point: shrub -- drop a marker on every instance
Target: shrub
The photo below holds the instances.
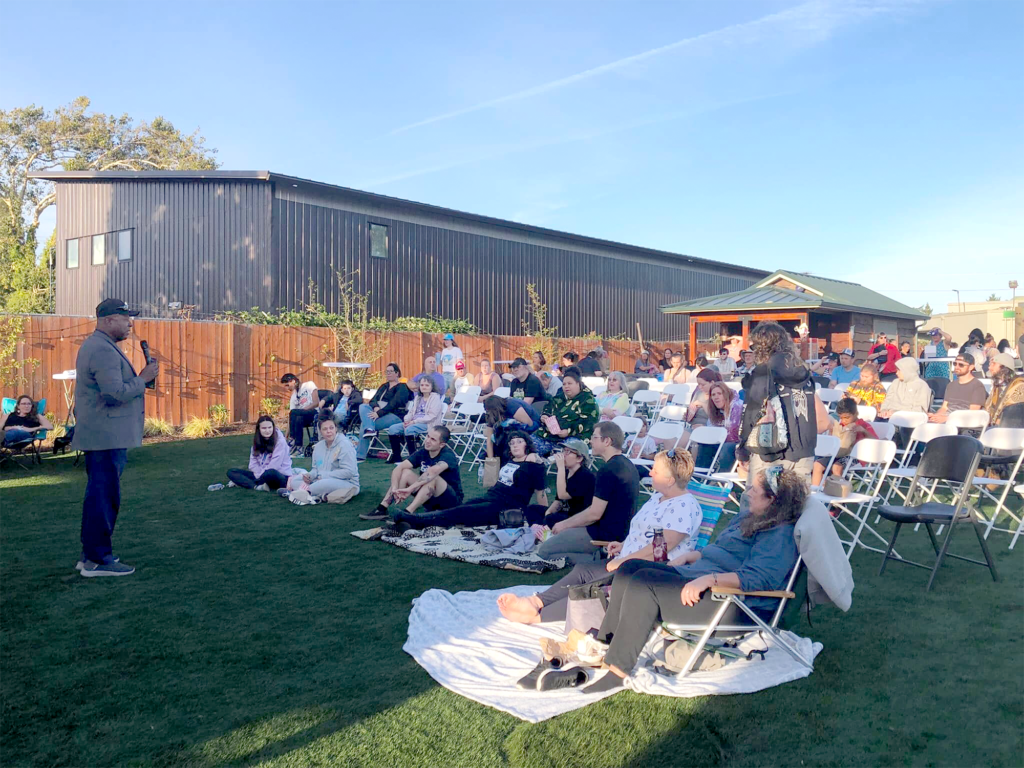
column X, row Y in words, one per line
column 58, row 429
column 271, row 406
column 219, row 415
column 199, row 427
column 154, row 427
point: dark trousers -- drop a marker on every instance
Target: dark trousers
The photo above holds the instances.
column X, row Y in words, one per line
column 535, row 515
column 556, row 597
column 298, row 420
column 476, row 512
column 244, row 478
column 644, row 593
column 102, row 501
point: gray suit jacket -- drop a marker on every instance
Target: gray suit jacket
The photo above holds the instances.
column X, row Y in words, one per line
column 108, row 397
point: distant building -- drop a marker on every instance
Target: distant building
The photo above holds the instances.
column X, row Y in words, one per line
column 231, row 240
column 1003, row 319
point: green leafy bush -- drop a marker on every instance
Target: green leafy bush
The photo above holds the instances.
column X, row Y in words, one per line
column 320, row 318
column 219, row 415
column 199, row 427
column 271, row 406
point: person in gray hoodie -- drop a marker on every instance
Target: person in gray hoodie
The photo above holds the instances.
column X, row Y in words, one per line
column 908, row 393
column 334, row 476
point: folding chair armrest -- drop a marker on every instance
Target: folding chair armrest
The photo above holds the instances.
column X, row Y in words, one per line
column 720, row 590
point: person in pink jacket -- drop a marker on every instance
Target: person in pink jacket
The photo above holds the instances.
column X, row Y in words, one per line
column 269, row 461
column 425, row 411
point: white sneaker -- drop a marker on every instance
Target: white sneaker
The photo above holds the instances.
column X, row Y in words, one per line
column 231, row 484
column 262, row 487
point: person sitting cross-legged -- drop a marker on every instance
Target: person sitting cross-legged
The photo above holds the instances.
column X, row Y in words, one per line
column 756, row 552
column 519, row 479
column 672, row 508
column 270, row 466
column 334, row 476
column 437, row 486
column 607, row 518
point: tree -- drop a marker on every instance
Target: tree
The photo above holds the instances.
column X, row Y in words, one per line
column 11, row 374
column 70, row 138
column 536, row 325
column 926, row 308
column 993, row 297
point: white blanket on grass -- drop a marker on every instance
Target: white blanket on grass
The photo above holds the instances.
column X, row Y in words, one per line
column 465, row 644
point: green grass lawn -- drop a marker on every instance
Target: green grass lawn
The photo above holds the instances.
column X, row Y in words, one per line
column 259, row 632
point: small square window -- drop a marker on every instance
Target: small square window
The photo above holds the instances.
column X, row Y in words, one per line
column 99, row 254
column 379, row 241
column 124, row 245
column 72, row 248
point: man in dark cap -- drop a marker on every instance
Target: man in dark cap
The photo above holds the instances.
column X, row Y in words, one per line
column 109, row 412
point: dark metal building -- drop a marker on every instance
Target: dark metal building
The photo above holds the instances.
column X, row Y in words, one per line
column 226, row 240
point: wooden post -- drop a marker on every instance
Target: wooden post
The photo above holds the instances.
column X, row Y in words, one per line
column 692, row 351
column 746, row 331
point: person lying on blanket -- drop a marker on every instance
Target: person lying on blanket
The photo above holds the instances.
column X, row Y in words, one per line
column 436, row 486
column 672, row 508
column 523, row 476
column 756, row 552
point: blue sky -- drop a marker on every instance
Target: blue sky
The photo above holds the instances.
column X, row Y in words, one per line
column 878, row 141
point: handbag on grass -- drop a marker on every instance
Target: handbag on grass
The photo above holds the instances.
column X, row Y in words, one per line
column 491, row 469
column 770, row 433
column 588, row 604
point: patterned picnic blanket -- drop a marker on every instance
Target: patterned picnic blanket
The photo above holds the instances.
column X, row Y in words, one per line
column 464, row 544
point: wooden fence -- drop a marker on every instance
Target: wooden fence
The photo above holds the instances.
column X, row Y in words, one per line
column 211, row 363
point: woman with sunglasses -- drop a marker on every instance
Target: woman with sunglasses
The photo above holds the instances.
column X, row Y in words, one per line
column 884, row 354
column 756, row 552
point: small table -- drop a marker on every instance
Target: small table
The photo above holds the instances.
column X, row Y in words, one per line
column 67, row 378
column 334, row 367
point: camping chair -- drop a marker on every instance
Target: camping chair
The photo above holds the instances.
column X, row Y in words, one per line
column 706, row 441
column 953, row 459
column 29, row 447
column 876, row 455
column 1007, row 440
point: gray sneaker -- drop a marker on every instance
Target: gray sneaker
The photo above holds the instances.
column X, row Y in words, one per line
column 106, row 569
column 83, row 562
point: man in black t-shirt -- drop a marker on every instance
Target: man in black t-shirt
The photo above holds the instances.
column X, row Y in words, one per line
column 607, row 518
column 438, row 484
column 526, row 386
column 590, row 365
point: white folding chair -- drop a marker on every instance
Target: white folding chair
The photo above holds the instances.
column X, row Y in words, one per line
column 1010, row 440
column 829, row 397
column 826, row 447
column 906, row 420
column 599, row 390
column 987, row 383
column 503, row 392
column 451, row 416
column 630, row 426
column 654, row 385
column 507, row 377
column 644, row 400
column 841, row 387
column 876, row 455
column 469, row 389
column 681, row 391
column 665, row 436
column 969, row 420
column 593, row 381
column 673, row 413
column 467, row 431
column 735, row 386
column 1019, row 490
column 867, row 412
column 886, row 385
column 884, row 430
column 706, row 436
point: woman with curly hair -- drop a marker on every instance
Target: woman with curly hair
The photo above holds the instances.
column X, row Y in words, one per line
column 869, row 390
column 756, row 552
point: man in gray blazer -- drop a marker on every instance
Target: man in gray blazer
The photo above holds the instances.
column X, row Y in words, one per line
column 109, row 412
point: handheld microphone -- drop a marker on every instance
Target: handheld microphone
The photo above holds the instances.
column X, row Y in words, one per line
column 145, row 353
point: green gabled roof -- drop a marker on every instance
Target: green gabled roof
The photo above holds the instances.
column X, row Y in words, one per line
column 812, row 292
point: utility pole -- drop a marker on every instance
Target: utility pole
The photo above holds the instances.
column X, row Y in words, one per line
column 959, row 305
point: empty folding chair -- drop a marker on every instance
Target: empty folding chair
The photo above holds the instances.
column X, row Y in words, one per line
column 679, row 394
column 705, row 445
column 841, row 387
column 469, row 389
column 1011, row 443
column 867, row 412
column 829, row 397
column 630, row 426
column 735, row 386
column 952, row 459
column 599, row 390
column 675, row 413
column 644, row 402
column 884, row 430
column 876, row 456
column 920, row 437
column 467, row 430
column 594, row 381
column 973, row 420
column 661, row 437
column 503, row 392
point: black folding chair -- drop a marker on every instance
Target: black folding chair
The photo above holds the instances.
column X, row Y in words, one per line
column 953, row 459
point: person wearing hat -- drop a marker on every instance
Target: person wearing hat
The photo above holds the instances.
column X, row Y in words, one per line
column 964, row 393
column 574, row 485
column 461, row 380
column 942, row 342
column 1007, row 388
column 449, row 355
column 847, row 372
column 109, row 411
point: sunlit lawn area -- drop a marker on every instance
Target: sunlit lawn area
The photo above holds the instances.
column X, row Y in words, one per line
column 259, row 632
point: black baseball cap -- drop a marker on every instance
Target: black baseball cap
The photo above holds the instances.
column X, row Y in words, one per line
column 518, row 362
column 109, row 307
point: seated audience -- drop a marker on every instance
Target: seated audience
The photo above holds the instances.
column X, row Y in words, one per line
column 665, row 363
column 568, row 360
column 386, row 408
column 607, row 518
column 571, row 413
column 538, row 361
column 1005, row 346
column 725, row 409
column 436, row 485
column 425, row 411
column 672, row 508
column 756, row 552
column 506, row 413
column 1007, row 388
column 518, row 480
column 906, row 349
column 645, row 366
column 614, row 401
column 824, row 367
column 488, row 381
column 975, row 346
column 884, row 355
column 867, row 390
column 346, row 405
column 908, row 393
column 551, row 383
column 697, row 411
column 591, row 364
column 526, row 386
column 677, row 373
column 574, row 485
column 334, row 476
column 430, row 371
column 461, row 380
column 942, row 341
column 846, row 372
column 24, row 422
column 746, row 363
column 964, row 393
column 269, row 463
column 725, row 365
column 850, row 429
column 302, row 408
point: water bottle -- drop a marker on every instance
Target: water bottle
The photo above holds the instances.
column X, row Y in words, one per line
column 215, row 487
column 658, row 545
column 480, row 474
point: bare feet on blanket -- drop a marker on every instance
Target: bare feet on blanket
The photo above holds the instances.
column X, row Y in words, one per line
column 524, row 610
